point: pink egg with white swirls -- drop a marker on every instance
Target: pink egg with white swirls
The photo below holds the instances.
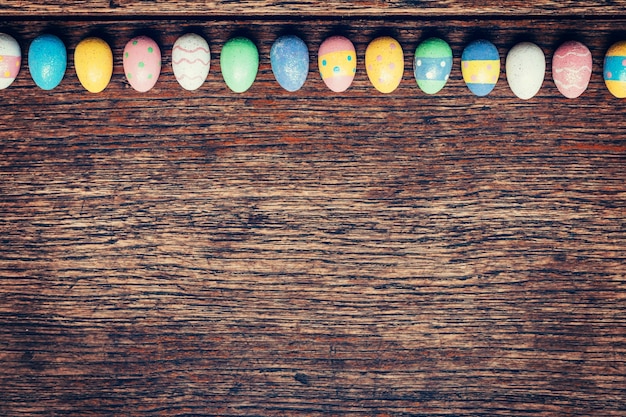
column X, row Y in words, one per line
column 191, row 60
column 571, row 68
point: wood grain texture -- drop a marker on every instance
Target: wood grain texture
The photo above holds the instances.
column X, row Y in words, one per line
column 310, row 8
column 283, row 254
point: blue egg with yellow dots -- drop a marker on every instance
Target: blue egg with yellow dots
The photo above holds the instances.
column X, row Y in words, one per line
column 480, row 66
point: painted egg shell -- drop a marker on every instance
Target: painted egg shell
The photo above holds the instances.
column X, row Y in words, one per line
column 93, row 61
column 480, row 66
column 432, row 65
column 289, row 57
column 615, row 69
column 240, row 63
column 384, row 63
column 525, row 69
column 571, row 68
column 47, row 61
column 142, row 63
column 191, row 60
column 10, row 60
column 336, row 60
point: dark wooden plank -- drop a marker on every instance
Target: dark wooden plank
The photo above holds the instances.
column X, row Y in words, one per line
column 270, row 253
column 330, row 8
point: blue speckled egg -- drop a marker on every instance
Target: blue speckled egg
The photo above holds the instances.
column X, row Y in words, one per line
column 47, row 61
column 289, row 57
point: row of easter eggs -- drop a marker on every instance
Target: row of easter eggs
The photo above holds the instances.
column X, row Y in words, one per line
column 337, row 61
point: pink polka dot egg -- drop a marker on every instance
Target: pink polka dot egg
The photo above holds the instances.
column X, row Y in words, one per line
column 384, row 63
column 142, row 63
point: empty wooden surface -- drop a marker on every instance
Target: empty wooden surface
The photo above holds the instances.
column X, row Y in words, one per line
column 309, row 8
column 284, row 254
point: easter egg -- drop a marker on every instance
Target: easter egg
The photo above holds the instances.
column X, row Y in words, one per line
column 571, row 68
column 480, row 66
column 615, row 69
column 525, row 69
column 142, row 63
column 191, row 60
column 10, row 60
column 47, row 61
column 336, row 60
column 240, row 63
column 384, row 63
column 432, row 65
column 289, row 57
column 93, row 61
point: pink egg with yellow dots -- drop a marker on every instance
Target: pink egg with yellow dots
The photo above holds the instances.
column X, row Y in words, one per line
column 142, row 63
column 10, row 60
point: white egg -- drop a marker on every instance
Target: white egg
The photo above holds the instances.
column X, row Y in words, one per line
column 525, row 69
column 191, row 60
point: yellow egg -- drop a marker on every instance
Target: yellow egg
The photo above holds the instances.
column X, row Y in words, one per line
column 93, row 61
column 384, row 63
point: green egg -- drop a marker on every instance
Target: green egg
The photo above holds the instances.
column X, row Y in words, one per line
column 240, row 63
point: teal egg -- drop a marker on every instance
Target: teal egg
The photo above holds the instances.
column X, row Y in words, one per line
column 239, row 62
column 47, row 61
column 432, row 65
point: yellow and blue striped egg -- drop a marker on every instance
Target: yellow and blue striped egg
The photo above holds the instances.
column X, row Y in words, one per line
column 615, row 69
column 480, row 66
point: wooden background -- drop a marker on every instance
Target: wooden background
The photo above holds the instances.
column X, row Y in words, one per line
column 287, row 254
